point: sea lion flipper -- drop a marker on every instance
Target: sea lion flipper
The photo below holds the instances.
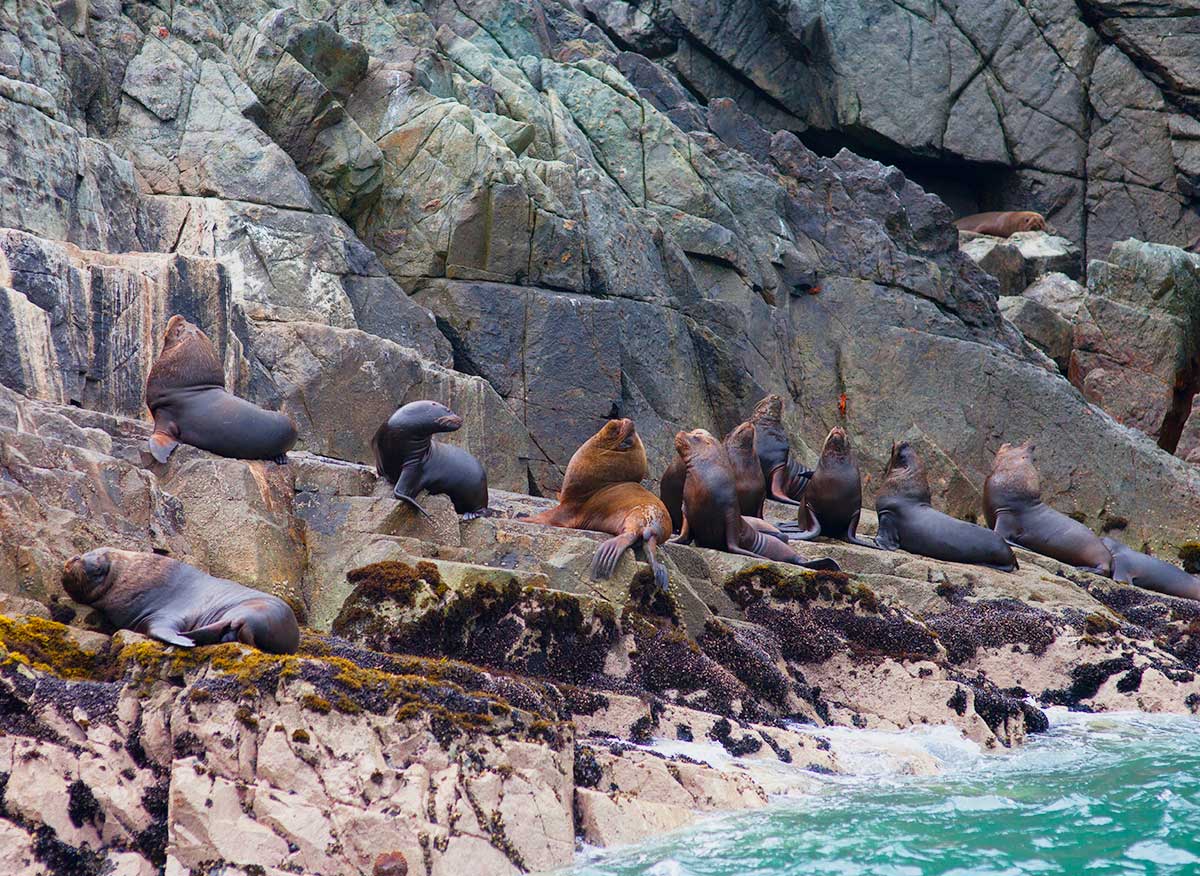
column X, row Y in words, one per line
column 605, row 560
column 213, row 634
column 661, row 580
column 807, row 525
column 165, row 632
column 160, row 445
column 402, row 497
column 852, row 535
column 823, row 564
column 888, row 536
column 777, row 490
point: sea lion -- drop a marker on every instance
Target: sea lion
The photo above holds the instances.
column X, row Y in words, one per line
column 408, row 456
column 907, row 520
column 602, row 492
column 185, row 392
column 751, row 487
column 711, row 515
column 1150, row 573
column 833, row 501
column 1002, row 224
column 785, row 478
column 1012, row 503
column 177, row 603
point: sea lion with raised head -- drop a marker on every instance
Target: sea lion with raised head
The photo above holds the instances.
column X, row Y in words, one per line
column 1012, row 504
column 751, row 488
column 177, row 603
column 186, row 394
column 833, row 501
column 785, row 478
column 407, row 454
column 711, row 515
column 909, row 522
column 1150, row 573
column 1003, row 223
column 602, row 492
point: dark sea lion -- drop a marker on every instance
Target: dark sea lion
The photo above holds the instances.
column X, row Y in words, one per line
column 1150, row 573
column 711, row 515
column 185, row 392
column 1012, row 503
column 747, row 473
column 408, row 456
column 785, row 478
column 602, row 492
column 1002, row 224
column 908, row 521
column 833, row 501
column 177, row 603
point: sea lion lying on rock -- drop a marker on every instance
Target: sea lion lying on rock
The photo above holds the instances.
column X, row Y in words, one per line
column 908, row 521
column 833, row 500
column 407, row 454
column 185, row 392
column 602, row 492
column 785, row 478
column 1012, row 503
column 711, row 515
column 1002, row 224
column 177, row 603
column 1141, row 570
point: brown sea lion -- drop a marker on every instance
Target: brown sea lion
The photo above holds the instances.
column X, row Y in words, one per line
column 185, row 392
column 1002, row 224
column 1150, row 573
column 407, row 454
column 602, row 492
column 833, row 501
column 177, row 603
column 785, row 477
column 710, row 506
column 747, row 472
column 908, row 521
column 1012, row 503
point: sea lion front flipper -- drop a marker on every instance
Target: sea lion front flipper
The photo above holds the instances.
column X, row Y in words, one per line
column 404, row 497
column 888, row 536
column 852, row 533
column 807, row 526
column 160, row 445
column 685, row 534
column 605, row 560
column 165, row 632
column 1007, row 527
column 824, row 564
column 213, row 634
column 777, row 489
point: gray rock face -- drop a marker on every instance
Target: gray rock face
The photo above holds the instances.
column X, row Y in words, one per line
column 1088, row 110
column 1041, row 325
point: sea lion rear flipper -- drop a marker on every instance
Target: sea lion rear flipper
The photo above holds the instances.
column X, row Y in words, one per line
column 661, row 579
column 164, row 632
column 888, row 536
column 482, row 512
column 605, row 560
column 824, row 564
column 160, row 445
column 777, row 489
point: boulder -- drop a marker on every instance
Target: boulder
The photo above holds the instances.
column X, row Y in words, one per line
column 1041, row 325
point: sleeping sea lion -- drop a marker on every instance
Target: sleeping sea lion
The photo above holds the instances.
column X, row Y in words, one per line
column 408, row 456
column 747, row 472
column 1012, row 503
column 1150, row 573
column 177, row 603
column 908, row 521
column 602, row 492
column 185, row 392
column 833, row 501
column 785, row 478
column 1002, row 224
column 711, row 515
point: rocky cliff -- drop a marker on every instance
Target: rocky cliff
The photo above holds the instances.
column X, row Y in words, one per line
column 543, row 213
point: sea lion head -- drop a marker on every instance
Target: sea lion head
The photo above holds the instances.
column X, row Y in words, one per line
column 87, row 577
column 741, row 438
column 837, row 444
column 905, row 474
column 179, row 330
column 425, row 418
column 1014, row 473
column 768, row 409
column 617, row 436
column 614, row 455
column 1031, row 221
column 696, row 444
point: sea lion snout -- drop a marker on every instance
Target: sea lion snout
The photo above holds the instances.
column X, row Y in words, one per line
column 451, row 422
column 84, row 576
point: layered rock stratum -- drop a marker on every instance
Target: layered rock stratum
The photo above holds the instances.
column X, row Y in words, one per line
column 543, row 214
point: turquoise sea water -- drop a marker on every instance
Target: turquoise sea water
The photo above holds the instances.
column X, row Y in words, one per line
column 1097, row 795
